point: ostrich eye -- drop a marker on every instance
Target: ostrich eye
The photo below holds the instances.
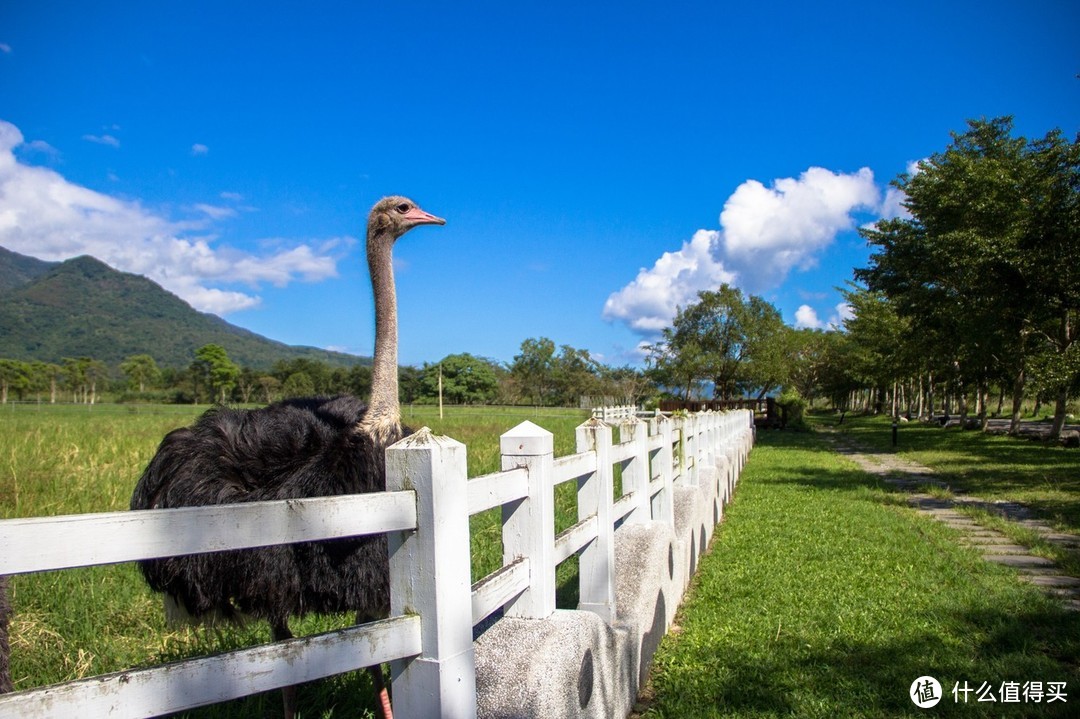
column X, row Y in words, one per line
column 402, row 208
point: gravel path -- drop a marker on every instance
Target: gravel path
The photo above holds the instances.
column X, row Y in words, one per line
column 910, row 477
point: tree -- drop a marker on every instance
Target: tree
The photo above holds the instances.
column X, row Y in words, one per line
column 808, row 361
column 14, row 375
column 875, row 356
column 465, row 379
column 732, row 341
column 535, row 368
column 575, row 374
column 298, row 384
column 213, row 365
column 985, row 268
column 141, row 370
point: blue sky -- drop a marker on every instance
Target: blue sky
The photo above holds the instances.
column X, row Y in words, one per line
column 597, row 163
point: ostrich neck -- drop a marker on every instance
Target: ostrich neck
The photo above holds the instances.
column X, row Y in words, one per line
column 383, row 417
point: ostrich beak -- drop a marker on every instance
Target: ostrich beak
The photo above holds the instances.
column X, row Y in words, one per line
column 416, row 216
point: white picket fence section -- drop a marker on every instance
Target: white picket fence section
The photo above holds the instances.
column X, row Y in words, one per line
column 434, row 606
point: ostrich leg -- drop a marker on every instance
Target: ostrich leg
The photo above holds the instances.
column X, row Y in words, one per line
column 381, row 691
column 280, row 633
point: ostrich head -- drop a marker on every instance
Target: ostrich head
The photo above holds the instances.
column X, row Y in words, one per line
column 390, row 218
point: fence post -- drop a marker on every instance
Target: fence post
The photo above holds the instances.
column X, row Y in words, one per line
column 596, row 566
column 529, row 523
column 663, row 508
column 635, row 475
column 430, row 576
column 688, row 448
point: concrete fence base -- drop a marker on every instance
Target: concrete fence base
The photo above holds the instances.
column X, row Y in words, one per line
column 574, row 664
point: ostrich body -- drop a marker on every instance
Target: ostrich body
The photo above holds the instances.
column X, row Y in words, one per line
column 296, row 448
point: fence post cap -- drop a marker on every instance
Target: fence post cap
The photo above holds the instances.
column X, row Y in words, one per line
column 424, row 437
column 527, row 438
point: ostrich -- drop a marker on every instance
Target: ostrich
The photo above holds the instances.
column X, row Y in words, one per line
column 291, row 449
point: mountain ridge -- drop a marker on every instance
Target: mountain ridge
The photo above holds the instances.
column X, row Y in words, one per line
column 81, row 307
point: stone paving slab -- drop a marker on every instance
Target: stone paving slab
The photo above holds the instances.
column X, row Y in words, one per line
column 1052, row 580
column 907, row 476
column 1001, row 549
column 1020, row 561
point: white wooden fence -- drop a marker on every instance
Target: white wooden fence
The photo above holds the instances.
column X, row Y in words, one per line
column 429, row 636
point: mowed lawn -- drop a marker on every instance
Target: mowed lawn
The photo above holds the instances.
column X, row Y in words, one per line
column 824, row 595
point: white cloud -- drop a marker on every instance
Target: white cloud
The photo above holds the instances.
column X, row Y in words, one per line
column 770, row 231
column 765, row 232
column 806, row 317
column 215, row 212
column 892, row 206
column 44, row 215
column 649, row 302
column 102, row 140
column 5, row 48
column 199, row 149
column 844, row 312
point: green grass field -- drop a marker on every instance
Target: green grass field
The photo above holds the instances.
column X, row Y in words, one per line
column 824, row 595
column 78, row 623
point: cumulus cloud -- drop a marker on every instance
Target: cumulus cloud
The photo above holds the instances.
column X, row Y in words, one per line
column 44, row 215
column 199, row 149
column 769, row 231
column 806, row 317
column 765, row 233
column 649, row 302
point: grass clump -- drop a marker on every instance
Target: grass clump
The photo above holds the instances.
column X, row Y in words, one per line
column 820, row 600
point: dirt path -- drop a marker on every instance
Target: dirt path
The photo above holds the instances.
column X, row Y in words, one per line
column 910, row 477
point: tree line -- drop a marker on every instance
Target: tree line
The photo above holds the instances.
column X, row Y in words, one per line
column 541, row 374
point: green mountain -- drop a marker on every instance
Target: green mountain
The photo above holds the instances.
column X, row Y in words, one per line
column 16, row 269
column 84, row 308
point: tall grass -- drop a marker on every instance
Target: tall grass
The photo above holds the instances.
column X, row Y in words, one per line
column 77, row 623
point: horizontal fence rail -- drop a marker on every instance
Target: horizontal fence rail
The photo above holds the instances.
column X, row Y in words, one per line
column 434, row 606
column 83, row 540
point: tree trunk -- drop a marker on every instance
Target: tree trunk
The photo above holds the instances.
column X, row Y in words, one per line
column 984, row 397
column 1017, row 402
column 1065, row 341
column 1059, row 413
column 920, row 401
column 930, row 395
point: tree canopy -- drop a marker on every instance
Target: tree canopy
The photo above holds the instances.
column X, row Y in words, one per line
column 738, row 344
column 986, row 269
